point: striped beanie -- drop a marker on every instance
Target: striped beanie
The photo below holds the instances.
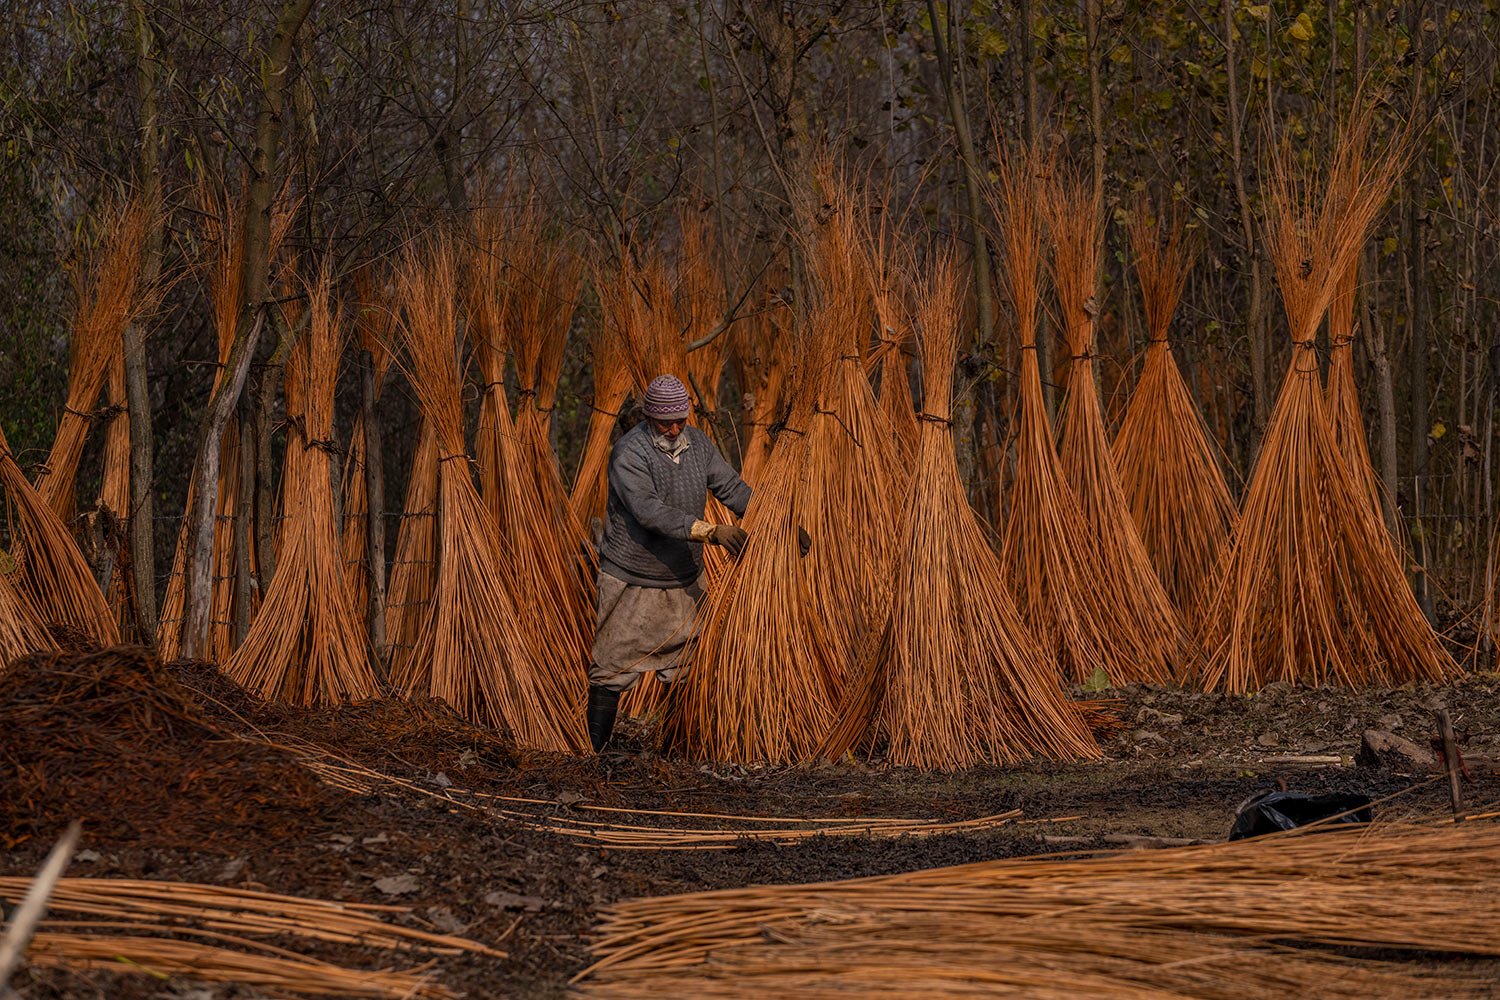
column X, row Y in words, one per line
column 667, row 399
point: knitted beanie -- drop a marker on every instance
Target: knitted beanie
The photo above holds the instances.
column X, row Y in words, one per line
column 667, row 399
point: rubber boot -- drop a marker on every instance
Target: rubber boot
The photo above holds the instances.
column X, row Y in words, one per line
column 603, row 704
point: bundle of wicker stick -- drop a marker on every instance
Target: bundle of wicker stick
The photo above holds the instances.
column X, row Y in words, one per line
column 1148, row 625
column 51, row 572
column 889, row 269
column 1311, row 588
column 109, row 297
column 215, row 934
column 1169, row 466
column 956, row 678
column 1049, row 558
column 851, row 491
column 508, row 270
column 1254, row 918
column 471, row 650
column 545, row 276
column 307, row 646
column 767, row 668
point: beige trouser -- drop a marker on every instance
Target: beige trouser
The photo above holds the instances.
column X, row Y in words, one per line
column 641, row 629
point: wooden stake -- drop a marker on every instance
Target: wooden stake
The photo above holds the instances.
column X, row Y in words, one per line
column 1450, row 763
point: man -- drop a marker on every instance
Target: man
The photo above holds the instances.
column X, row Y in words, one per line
column 660, row 474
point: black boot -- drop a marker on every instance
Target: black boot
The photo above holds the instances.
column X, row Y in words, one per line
column 603, row 704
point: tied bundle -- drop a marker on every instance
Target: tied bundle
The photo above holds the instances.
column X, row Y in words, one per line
column 851, row 487
column 471, row 651
column 764, row 670
column 536, row 531
column 1169, row 466
column 307, row 645
column 955, row 678
column 888, row 271
column 52, row 577
column 1048, row 557
column 545, row 276
column 1310, row 588
column 1147, row 626
column 110, row 296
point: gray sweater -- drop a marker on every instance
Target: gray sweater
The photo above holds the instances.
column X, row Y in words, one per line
column 653, row 503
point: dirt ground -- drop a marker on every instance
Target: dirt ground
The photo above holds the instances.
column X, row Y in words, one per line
column 194, row 803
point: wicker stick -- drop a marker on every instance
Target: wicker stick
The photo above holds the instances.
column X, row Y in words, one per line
column 1148, row 624
column 956, row 678
column 307, row 645
column 1226, row 920
column 51, row 572
column 106, row 285
column 471, row 644
column 1169, row 465
column 1310, row 588
column 1047, row 551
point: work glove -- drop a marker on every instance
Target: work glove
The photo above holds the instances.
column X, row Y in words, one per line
column 804, row 541
column 731, row 537
column 727, row 535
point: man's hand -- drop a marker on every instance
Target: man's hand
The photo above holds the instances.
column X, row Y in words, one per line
column 731, row 537
column 804, row 541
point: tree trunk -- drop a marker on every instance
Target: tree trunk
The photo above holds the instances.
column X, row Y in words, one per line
column 243, row 511
column 1420, row 415
column 1029, row 89
column 265, row 494
column 253, row 279
column 969, row 419
column 1385, row 404
column 142, row 513
column 374, row 505
column 1096, row 95
column 1253, row 323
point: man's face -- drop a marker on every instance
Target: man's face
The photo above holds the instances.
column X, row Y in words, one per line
column 668, row 429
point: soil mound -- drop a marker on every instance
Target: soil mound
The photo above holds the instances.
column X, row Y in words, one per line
column 113, row 739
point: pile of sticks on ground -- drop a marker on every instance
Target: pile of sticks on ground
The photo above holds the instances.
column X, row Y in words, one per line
column 218, row 934
column 727, row 831
column 1273, row 916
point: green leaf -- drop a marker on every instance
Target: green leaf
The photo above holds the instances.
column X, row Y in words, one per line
column 1302, row 28
column 1098, row 681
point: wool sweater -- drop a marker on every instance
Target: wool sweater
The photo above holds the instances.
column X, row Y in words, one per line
column 653, row 502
